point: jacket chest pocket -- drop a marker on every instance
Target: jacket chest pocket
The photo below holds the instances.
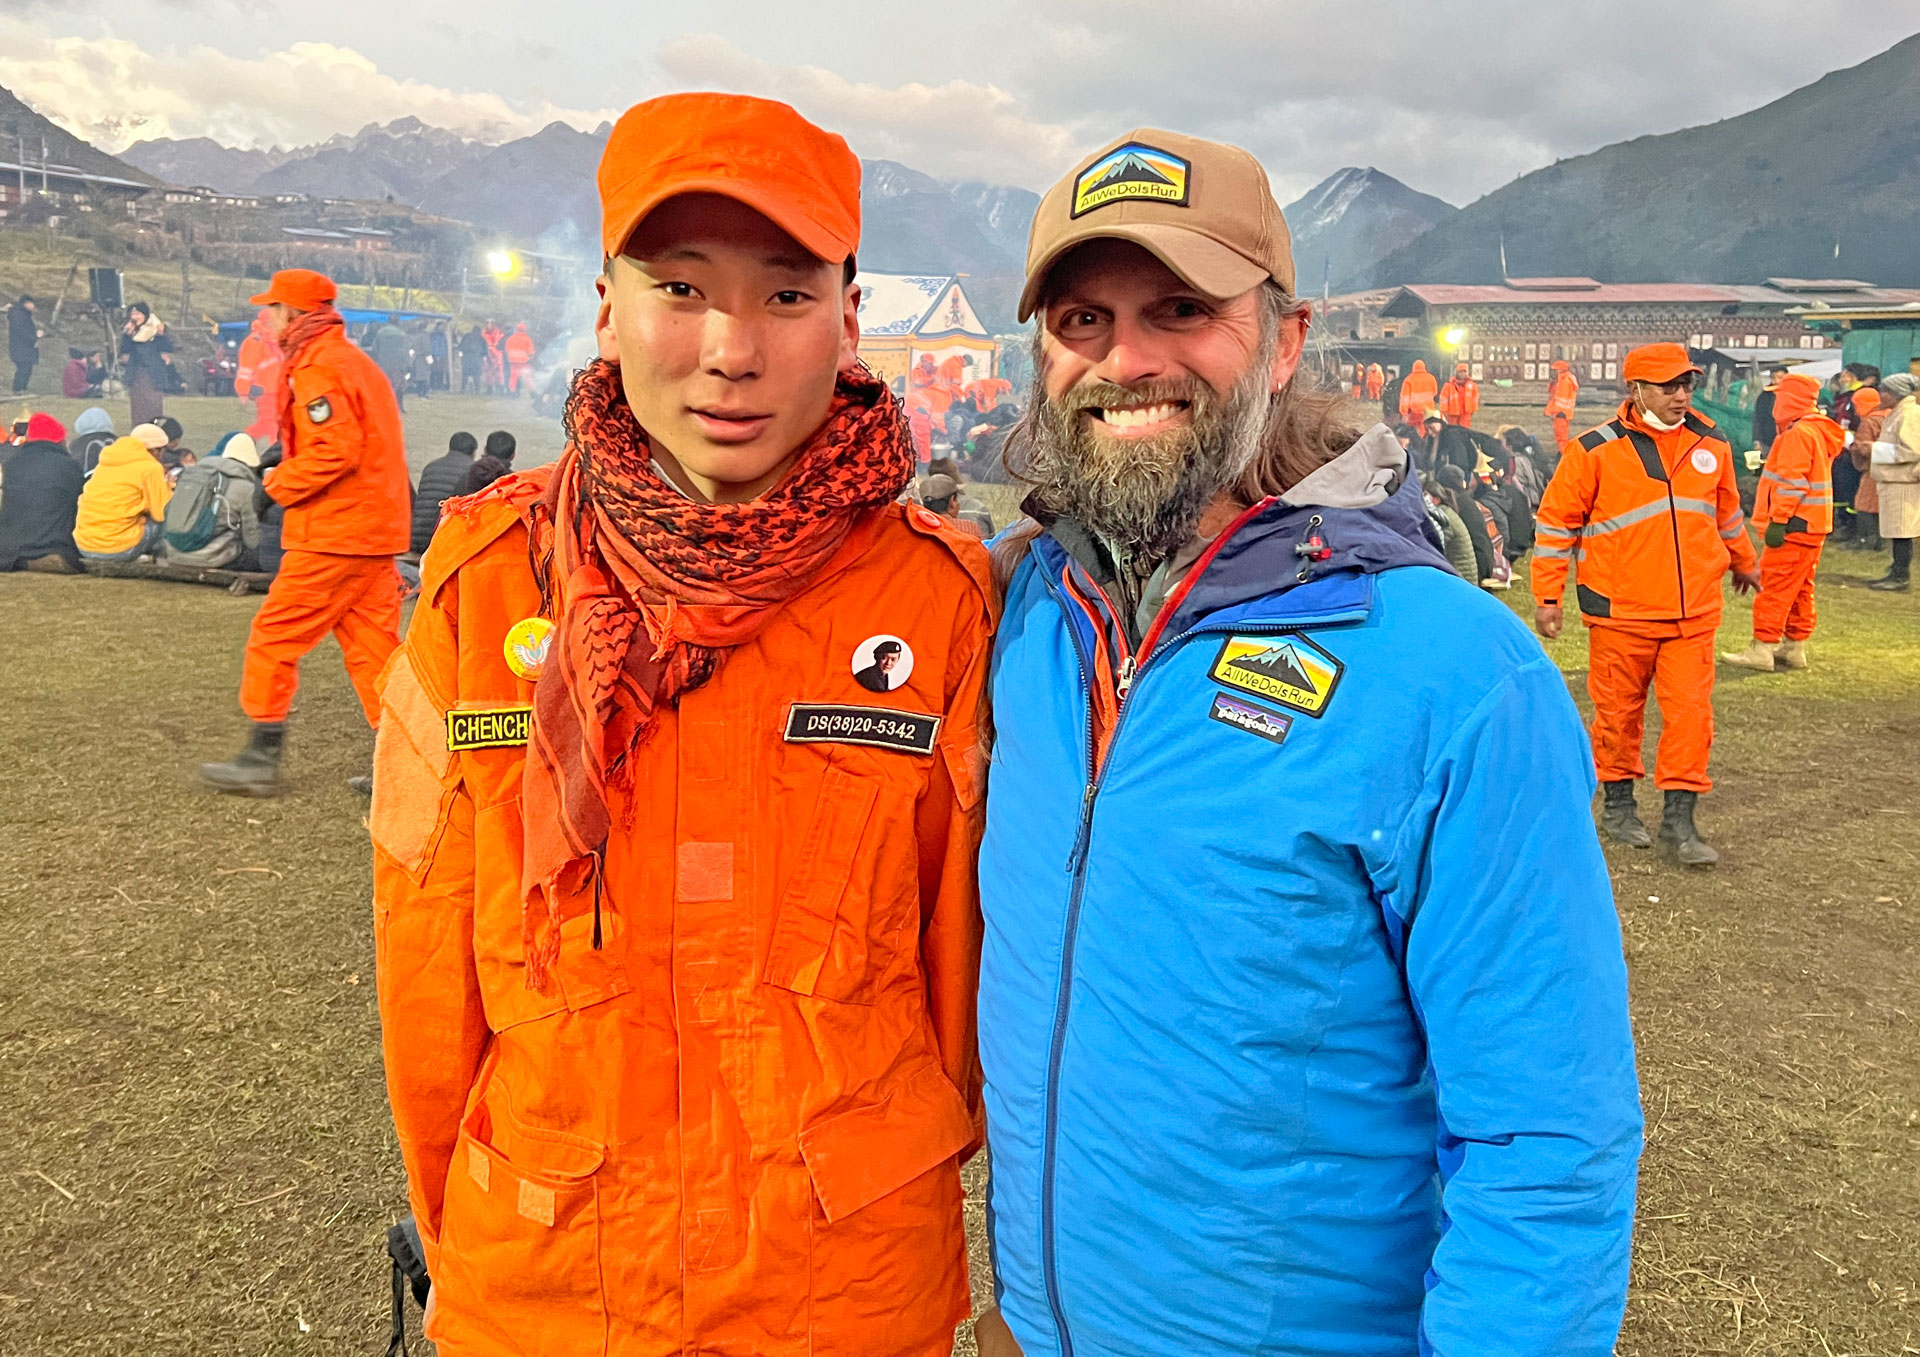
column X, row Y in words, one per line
column 839, row 916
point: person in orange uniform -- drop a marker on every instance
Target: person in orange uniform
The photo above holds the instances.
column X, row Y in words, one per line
column 519, row 349
column 1376, row 381
column 1417, row 393
column 342, row 480
column 675, row 917
column 257, row 378
column 987, row 392
column 1794, row 505
column 1647, row 506
column 1460, row 398
column 1563, row 392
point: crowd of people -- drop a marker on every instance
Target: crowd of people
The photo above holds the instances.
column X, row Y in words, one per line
column 68, row 497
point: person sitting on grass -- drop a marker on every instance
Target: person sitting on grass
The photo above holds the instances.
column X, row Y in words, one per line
column 92, row 431
column 484, row 472
column 39, row 494
column 501, row 446
column 123, row 505
column 174, row 455
column 441, row 480
column 965, row 507
column 213, row 519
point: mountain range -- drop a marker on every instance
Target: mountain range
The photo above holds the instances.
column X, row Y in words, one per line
column 1352, row 219
column 1822, row 183
column 540, row 189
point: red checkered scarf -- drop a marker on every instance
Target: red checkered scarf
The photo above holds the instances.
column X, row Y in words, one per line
column 620, row 552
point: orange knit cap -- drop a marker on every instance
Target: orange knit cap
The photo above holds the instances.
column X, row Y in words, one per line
column 804, row 180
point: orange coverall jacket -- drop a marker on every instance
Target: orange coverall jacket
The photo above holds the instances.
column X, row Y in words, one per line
column 1459, row 400
column 736, row 1127
column 343, row 478
column 1796, row 485
column 1417, row 392
column 1652, row 518
column 1562, row 393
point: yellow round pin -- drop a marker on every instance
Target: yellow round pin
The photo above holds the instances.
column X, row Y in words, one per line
column 527, row 644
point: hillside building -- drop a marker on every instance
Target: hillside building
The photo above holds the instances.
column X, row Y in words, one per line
column 905, row 317
column 1510, row 334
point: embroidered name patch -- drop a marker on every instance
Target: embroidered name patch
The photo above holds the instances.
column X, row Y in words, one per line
column 1135, row 170
column 817, row 723
column 489, row 728
column 1250, row 717
column 1290, row 670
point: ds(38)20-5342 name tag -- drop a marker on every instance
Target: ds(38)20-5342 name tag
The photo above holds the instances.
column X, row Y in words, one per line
column 881, row 727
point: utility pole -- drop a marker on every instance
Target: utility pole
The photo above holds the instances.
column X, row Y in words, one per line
column 186, row 275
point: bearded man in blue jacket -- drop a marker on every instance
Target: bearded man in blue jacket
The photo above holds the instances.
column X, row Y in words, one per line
column 1302, row 1005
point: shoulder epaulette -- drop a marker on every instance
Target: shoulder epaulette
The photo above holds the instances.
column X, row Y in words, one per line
column 1700, row 424
column 966, row 548
column 1593, row 439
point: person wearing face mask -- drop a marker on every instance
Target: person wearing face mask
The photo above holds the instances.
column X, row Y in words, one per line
column 1648, row 506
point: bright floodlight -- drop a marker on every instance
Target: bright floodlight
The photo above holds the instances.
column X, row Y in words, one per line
column 1454, row 336
column 502, row 263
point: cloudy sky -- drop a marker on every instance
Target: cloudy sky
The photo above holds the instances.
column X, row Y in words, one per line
column 1453, row 96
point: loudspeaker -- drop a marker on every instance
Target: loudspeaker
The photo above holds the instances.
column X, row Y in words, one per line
column 107, row 291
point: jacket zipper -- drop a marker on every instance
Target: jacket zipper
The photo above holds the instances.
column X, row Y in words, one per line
column 1076, row 863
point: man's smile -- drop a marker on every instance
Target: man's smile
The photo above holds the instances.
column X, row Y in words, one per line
column 1140, row 421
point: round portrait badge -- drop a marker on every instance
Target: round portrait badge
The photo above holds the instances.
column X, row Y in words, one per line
column 1706, row 461
column 882, row 663
column 526, row 647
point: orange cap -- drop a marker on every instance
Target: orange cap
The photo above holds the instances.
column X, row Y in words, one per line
column 302, row 289
column 1657, row 363
column 804, row 180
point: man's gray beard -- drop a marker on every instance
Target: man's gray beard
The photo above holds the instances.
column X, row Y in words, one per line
column 1143, row 497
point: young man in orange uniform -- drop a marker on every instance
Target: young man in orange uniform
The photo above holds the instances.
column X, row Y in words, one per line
column 676, row 921
column 256, row 379
column 342, row 478
column 1563, row 392
column 1460, row 397
column 1795, row 507
column 1647, row 505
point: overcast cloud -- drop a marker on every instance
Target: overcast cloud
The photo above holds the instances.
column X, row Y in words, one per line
column 1455, row 97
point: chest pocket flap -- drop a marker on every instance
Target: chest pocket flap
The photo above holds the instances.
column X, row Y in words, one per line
column 813, row 950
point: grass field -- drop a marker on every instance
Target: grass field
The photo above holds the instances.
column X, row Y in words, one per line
column 193, row 1132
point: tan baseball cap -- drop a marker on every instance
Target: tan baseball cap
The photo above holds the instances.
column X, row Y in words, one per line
column 1202, row 208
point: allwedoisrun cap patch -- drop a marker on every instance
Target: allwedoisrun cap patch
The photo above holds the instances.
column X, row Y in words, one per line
column 1134, row 170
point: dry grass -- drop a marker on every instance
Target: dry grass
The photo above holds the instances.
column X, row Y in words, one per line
column 197, row 1154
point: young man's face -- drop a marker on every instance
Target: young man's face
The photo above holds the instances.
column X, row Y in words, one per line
column 729, row 336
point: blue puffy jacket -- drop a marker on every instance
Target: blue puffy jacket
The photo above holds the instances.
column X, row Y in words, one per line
column 1304, row 1017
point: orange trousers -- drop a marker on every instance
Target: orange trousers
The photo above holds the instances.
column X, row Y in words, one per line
column 1562, row 430
column 357, row 598
column 1784, row 608
column 1677, row 660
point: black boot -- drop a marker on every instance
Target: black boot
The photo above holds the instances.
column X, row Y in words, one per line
column 255, row 770
column 1679, row 835
column 1621, row 818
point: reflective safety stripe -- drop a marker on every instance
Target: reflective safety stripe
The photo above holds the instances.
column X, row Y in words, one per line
column 1552, row 553
column 1548, row 530
column 1799, row 482
column 1697, row 506
column 1626, row 520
